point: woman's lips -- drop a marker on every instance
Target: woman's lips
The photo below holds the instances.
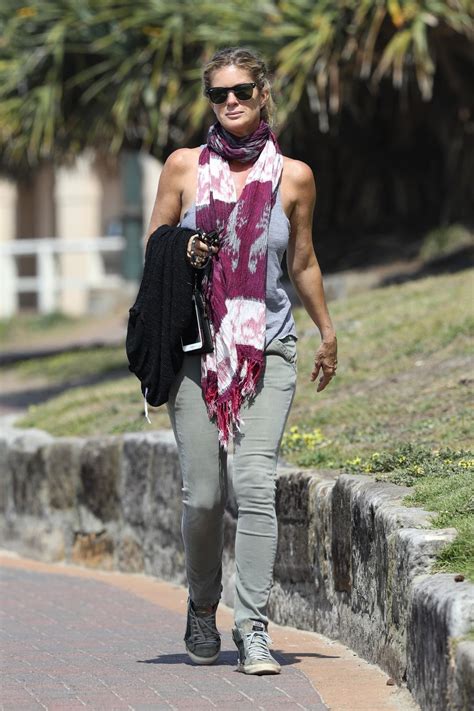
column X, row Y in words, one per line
column 234, row 115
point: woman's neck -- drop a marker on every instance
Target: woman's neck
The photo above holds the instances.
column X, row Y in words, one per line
column 242, row 137
column 237, row 166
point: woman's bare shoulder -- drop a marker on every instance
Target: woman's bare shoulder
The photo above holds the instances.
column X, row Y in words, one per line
column 297, row 172
column 297, row 185
column 182, row 160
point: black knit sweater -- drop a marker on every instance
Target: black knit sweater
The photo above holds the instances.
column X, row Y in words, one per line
column 162, row 311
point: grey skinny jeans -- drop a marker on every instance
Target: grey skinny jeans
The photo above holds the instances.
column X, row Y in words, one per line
column 204, row 471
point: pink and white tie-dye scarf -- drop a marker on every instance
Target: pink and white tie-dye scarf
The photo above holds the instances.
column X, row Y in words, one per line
column 236, row 290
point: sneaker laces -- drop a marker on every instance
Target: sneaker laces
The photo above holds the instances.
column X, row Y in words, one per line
column 258, row 645
column 203, row 628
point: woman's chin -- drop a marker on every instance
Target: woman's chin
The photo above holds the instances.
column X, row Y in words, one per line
column 239, row 125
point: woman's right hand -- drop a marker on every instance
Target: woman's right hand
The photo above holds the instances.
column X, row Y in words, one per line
column 198, row 251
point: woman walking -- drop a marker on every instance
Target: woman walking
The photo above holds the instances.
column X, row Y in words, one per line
column 261, row 203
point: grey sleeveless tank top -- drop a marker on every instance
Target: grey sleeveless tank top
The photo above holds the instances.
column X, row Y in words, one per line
column 280, row 322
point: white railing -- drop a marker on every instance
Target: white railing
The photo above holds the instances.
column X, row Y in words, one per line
column 50, row 279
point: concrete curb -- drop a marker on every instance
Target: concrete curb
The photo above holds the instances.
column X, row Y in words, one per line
column 352, row 562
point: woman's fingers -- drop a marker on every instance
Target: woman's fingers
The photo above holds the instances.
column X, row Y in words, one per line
column 209, row 249
column 204, row 249
column 315, row 373
column 328, row 372
column 325, row 380
column 199, row 252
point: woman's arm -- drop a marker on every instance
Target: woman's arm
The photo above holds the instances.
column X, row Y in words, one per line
column 178, row 175
column 168, row 201
column 304, row 271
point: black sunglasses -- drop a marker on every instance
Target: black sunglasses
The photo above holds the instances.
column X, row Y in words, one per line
column 243, row 92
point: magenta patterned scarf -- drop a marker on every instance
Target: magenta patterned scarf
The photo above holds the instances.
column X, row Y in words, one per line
column 236, row 292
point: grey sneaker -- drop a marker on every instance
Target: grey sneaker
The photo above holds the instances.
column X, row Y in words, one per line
column 203, row 641
column 252, row 642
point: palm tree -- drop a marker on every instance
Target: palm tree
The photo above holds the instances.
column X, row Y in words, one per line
column 115, row 72
column 328, row 46
column 361, row 84
column 99, row 73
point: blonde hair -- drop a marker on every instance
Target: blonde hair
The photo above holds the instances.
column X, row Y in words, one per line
column 251, row 62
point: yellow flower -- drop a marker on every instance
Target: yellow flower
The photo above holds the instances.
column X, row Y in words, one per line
column 152, row 31
column 26, row 12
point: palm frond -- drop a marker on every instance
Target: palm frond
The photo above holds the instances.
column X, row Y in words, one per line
column 114, row 72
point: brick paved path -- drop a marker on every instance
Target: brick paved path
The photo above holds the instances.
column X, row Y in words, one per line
column 71, row 643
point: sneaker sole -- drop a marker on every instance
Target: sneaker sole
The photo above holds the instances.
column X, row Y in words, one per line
column 202, row 660
column 259, row 668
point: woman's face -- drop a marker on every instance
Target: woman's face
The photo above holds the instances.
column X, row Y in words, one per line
column 240, row 117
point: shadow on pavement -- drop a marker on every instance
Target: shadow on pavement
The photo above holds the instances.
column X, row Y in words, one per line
column 225, row 659
column 229, row 658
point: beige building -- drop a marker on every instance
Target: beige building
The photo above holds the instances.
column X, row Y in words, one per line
column 64, row 233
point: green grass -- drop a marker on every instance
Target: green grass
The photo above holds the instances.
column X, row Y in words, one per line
column 114, row 407
column 404, row 381
column 443, row 482
column 21, row 327
column 444, row 241
column 452, row 499
column 405, row 370
column 76, row 365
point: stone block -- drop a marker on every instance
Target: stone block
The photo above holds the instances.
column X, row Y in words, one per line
column 45, row 539
column 164, row 497
column 230, row 530
column 95, row 550
column 129, row 553
column 304, row 515
column 162, row 542
column 294, row 562
column 292, row 605
column 165, row 562
column 341, row 543
column 441, row 613
column 6, row 479
column 137, row 462
column 228, row 578
column 326, row 599
column 28, row 475
column 100, row 470
column 461, row 694
column 86, row 522
column 62, row 464
column 370, row 527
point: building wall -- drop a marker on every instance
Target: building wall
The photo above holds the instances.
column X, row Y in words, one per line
column 75, row 202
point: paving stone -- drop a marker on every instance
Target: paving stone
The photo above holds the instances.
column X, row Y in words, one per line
column 84, row 644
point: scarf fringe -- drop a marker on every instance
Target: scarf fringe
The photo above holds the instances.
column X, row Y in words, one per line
column 226, row 410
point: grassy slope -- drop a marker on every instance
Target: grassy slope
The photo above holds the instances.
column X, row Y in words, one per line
column 404, row 374
column 405, row 355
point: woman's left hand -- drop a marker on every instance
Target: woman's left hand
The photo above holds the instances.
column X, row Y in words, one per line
column 325, row 360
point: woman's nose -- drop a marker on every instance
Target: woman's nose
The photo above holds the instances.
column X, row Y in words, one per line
column 231, row 98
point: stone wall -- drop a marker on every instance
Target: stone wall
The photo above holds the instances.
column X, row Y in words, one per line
column 352, row 562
